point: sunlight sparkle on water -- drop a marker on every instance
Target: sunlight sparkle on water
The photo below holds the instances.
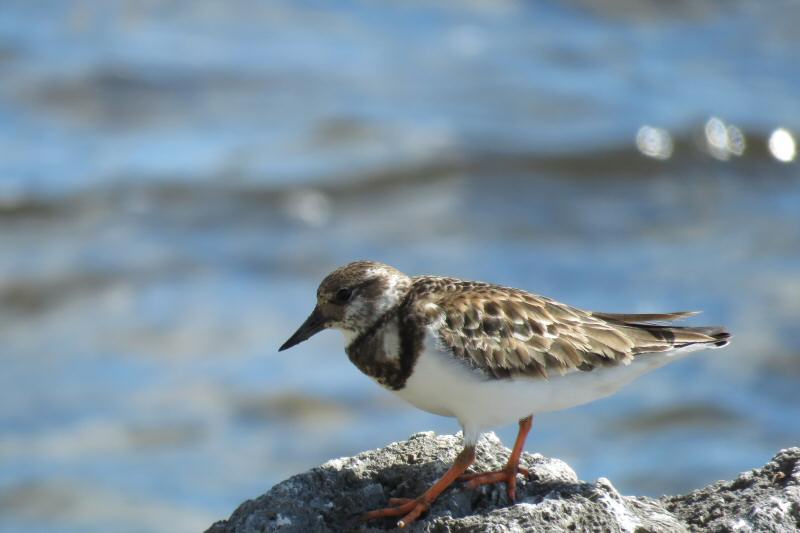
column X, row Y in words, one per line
column 782, row 145
column 724, row 140
column 654, row 142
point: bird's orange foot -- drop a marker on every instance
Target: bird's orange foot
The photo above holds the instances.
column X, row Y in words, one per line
column 506, row 475
column 409, row 509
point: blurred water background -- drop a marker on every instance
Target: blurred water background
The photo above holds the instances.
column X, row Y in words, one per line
column 176, row 178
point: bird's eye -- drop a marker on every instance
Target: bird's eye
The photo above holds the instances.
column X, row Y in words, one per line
column 343, row 295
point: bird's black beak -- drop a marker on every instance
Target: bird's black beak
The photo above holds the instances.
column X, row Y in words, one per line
column 313, row 325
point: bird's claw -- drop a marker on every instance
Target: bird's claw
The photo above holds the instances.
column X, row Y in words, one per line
column 506, row 475
column 409, row 509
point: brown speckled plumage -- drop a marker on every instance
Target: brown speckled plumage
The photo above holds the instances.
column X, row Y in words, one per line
column 505, row 331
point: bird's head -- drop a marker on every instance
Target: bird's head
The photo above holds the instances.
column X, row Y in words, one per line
column 351, row 299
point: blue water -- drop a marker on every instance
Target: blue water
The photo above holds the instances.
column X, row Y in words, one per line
column 176, row 179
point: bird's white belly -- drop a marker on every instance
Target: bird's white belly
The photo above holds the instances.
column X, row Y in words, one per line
column 442, row 385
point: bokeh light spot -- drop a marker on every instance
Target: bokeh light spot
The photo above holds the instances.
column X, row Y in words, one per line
column 782, row 145
column 736, row 143
column 724, row 140
column 654, row 142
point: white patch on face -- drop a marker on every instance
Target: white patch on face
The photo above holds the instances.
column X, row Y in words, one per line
column 356, row 309
column 383, row 302
column 362, row 310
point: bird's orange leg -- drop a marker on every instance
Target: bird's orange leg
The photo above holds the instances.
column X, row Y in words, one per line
column 512, row 468
column 410, row 509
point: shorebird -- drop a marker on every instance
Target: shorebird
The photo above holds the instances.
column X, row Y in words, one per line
column 487, row 355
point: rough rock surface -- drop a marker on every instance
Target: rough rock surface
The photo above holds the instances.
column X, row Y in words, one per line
column 762, row 499
column 333, row 496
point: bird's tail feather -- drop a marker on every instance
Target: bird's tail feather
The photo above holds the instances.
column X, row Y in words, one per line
column 648, row 333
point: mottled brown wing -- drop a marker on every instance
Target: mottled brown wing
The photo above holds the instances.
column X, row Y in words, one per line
column 506, row 332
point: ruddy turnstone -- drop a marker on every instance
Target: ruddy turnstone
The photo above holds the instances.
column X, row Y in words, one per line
column 487, row 355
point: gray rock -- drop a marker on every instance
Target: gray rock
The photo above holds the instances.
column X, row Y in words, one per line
column 760, row 500
column 332, row 497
